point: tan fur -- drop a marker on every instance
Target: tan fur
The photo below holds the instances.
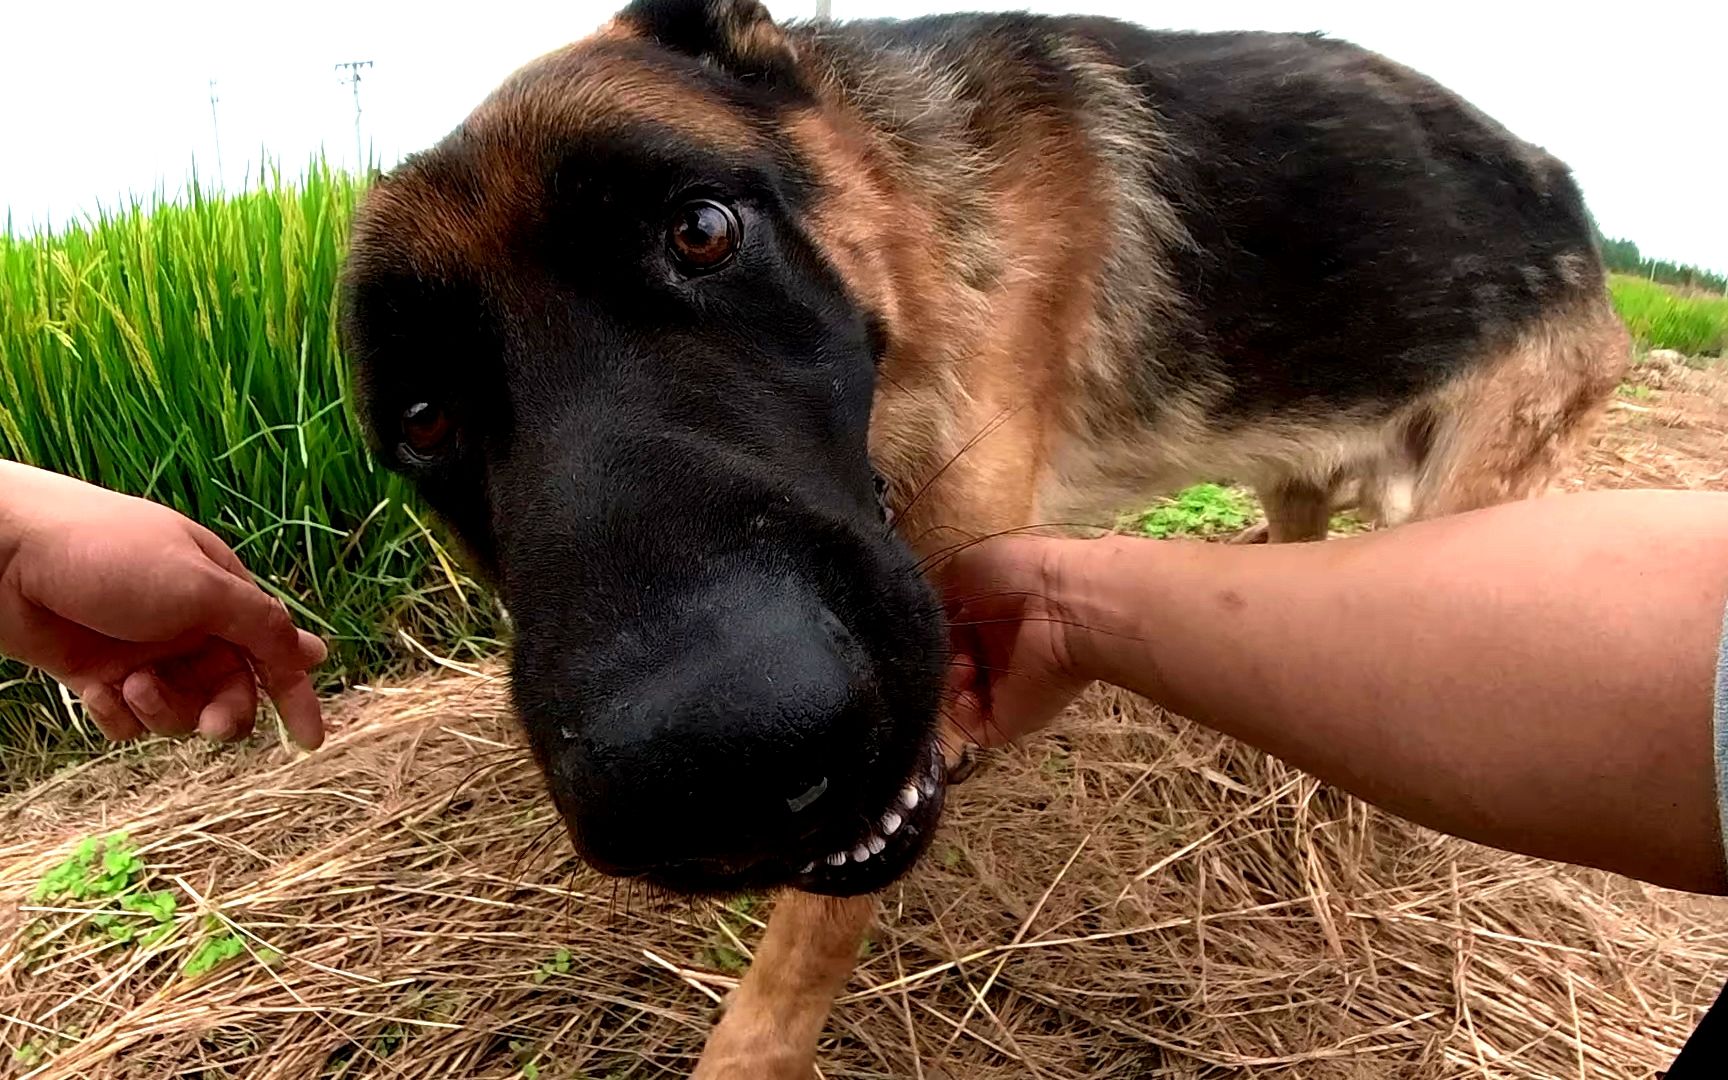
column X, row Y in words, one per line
column 772, row 1021
column 584, row 89
column 1502, row 431
column 1511, row 425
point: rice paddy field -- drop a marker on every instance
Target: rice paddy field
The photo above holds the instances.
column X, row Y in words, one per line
column 189, row 353
column 1693, row 324
column 1128, row 896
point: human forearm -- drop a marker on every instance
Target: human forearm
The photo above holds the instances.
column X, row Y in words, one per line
column 1537, row 676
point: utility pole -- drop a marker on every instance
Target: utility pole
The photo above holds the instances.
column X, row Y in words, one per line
column 353, row 68
column 216, row 130
column 824, row 10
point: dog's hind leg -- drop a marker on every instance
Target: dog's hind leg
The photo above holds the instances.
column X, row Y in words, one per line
column 773, row 1020
column 1296, row 511
column 1506, row 430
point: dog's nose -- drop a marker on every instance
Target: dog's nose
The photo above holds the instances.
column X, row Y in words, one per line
column 750, row 725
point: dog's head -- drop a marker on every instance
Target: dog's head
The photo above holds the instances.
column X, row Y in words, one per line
column 597, row 329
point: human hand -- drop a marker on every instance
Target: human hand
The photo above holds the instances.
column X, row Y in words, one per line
column 148, row 617
column 1012, row 671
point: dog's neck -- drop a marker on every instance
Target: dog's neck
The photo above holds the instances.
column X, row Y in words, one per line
column 1008, row 250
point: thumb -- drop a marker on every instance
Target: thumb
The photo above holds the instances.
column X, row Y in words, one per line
column 967, row 706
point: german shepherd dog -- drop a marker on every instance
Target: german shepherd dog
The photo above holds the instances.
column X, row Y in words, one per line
column 704, row 332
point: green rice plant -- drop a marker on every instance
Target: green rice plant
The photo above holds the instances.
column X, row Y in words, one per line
column 1660, row 318
column 188, row 352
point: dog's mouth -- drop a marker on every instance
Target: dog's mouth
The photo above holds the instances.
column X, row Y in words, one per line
column 866, row 856
column 886, row 844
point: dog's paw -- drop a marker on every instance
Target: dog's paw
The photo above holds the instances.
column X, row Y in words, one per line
column 718, row 1013
column 1260, row 533
column 964, row 765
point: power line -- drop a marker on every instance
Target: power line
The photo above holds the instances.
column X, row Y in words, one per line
column 353, row 67
column 216, row 130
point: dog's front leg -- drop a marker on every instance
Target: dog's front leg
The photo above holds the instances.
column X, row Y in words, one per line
column 774, row 1018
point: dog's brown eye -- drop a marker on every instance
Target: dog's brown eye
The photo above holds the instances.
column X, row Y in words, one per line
column 704, row 234
column 425, row 427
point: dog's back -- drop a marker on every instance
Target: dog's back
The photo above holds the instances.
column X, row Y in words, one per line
column 1302, row 266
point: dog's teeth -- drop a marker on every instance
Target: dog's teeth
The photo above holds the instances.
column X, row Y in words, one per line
column 891, row 823
column 909, row 797
column 837, row 859
column 875, row 844
column 860, row 853
column 809, row 866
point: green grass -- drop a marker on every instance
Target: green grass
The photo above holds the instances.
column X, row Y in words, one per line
column 1202, row 510
column 1660, row 318
column 189, row 353
column 732, row 922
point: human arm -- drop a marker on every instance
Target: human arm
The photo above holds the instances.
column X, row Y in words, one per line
column 1537, row 676
column 148, row 617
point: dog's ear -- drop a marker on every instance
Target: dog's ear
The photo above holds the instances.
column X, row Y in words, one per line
column 738, row 36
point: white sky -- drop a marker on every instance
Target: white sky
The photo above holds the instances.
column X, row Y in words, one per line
column 108, row 99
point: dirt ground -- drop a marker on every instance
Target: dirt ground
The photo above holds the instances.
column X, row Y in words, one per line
column 1130, row 897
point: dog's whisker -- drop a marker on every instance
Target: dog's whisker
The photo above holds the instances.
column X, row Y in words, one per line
column 983, row 433
column 943, row 555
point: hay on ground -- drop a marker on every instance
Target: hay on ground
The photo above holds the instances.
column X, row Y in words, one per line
column 1134, row 897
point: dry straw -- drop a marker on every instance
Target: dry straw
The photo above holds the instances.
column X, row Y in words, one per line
column 1134, row 897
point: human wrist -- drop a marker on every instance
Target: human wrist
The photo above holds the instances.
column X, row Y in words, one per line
column 1085, row 584
column 1116, row 596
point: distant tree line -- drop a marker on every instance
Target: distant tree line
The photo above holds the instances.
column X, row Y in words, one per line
column 1622, row 256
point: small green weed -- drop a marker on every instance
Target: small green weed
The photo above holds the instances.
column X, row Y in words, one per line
column 1347, row 523
column 527, row 1058
column 211, row 952
column 221, row 944
column 1636, row 391
column 950, row 856
column 98, row 869
column 723, row 956
column 558, row 964
column 390, row 1040
column 1202, row 510
column 109, row 870
column 720, row 953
